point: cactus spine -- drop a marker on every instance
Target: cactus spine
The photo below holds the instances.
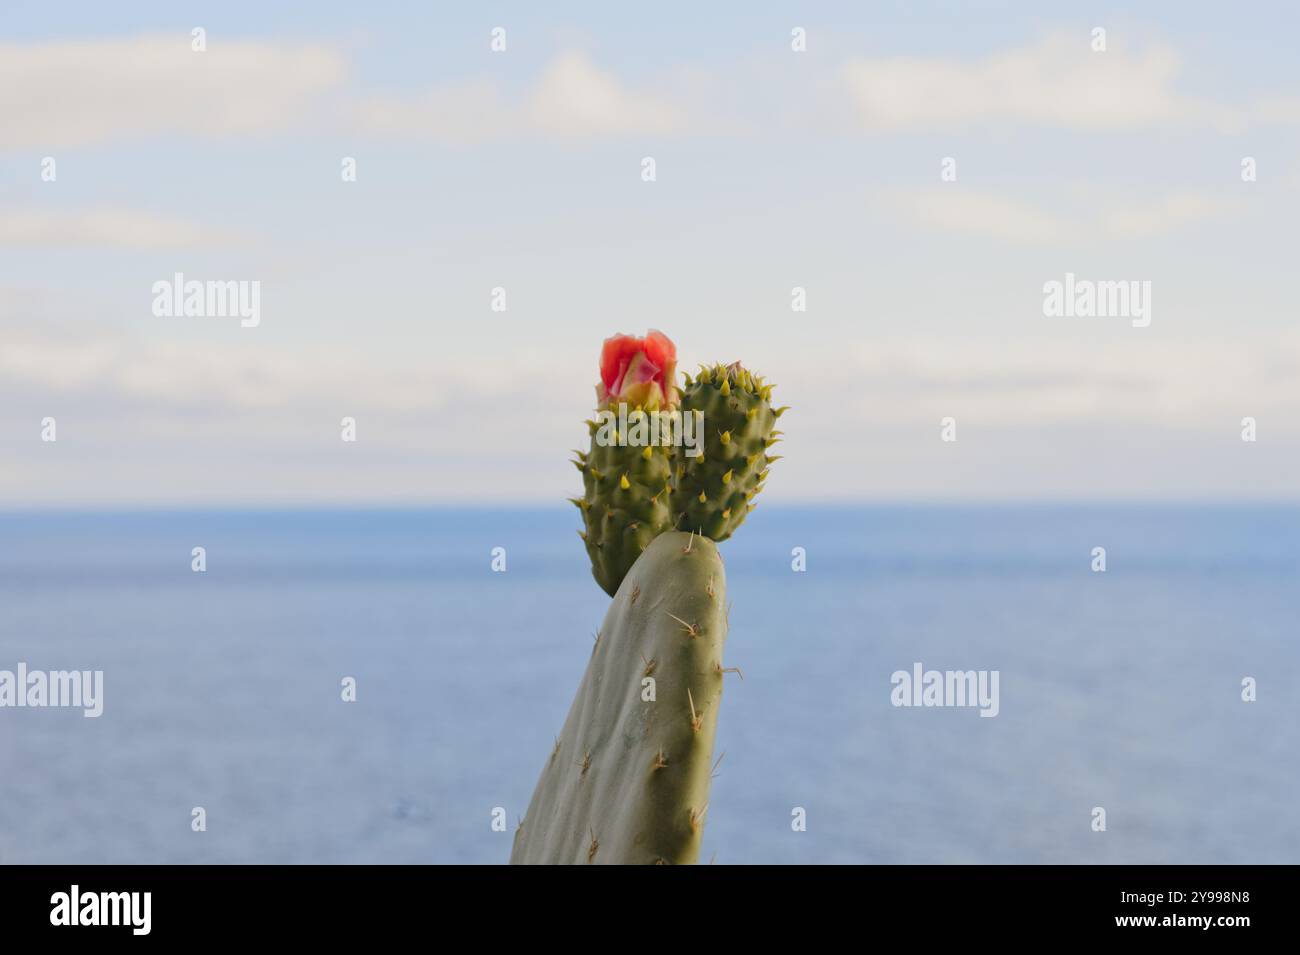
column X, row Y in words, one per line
column 628, row 779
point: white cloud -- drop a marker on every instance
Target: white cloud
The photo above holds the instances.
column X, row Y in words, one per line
column 571, row 99
column 1074, row 216
column 973, row 212
column 1166, row 215
column 82, row 92
column 103, row 226
column 86, row 92
column 1057, row 82
column 575, row 98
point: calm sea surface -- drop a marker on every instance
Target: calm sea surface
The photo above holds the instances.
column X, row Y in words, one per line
column 222, row 690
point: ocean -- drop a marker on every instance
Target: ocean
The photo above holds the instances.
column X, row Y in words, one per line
column 1119, row 690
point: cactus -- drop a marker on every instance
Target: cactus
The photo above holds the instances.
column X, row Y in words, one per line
column 714, row 492
column 628, row 778
column 625, row 484
column 624, row 505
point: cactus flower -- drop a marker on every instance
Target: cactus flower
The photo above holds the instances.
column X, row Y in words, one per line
column 640, row 372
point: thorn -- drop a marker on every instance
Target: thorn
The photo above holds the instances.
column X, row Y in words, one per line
column 595, row 638
column 721, row 669
column 709, row 589
column 725, row 390
column 777, row 412
column 520, row 824
column 751, row 412
column 649, row 665
column 660, row 860
column 726, row 514
column 586, row 763
column 691, row 629
column 687, row 548
column 661, row 761
column 703, row 499
column 726, row 437
column 591, row 852
column 556, row 752
column 623, row 482
column 579, row 466
column 726, row 478
column 714, row 771
column 695, row 720
column 697, row 818
column 582, row 534
column 647, row 452
column 636, row 592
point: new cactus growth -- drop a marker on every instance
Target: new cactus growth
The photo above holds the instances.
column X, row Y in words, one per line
column 628, row 779
column 637, row 483
column 625, row 483
column 714, row 492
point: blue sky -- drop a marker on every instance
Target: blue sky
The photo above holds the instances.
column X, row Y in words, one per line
column 521, row 169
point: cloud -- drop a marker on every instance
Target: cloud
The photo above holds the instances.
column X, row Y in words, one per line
column 85, row 92
column 153, row 418
column 1162, row 216
column 103, row 227
column 572, row 98
column 971, row 212
column 88, row 92
column 1058, row 82
column 1083, row 216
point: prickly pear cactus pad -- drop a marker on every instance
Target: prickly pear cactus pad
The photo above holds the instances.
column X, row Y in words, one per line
column 714, row 492
column 625, row 474
column 628, row 779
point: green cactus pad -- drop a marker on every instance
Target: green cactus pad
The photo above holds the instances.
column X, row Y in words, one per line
column 628, row 779
column 624, row 505
column 713, row 493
